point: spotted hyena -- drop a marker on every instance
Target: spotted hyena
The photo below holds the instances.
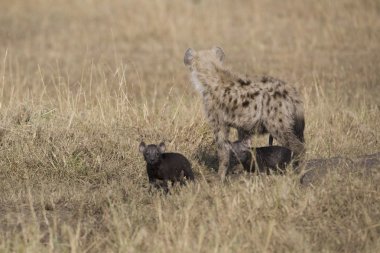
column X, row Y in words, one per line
column 258, row 105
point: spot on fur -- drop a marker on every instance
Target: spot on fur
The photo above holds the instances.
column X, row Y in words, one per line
column 255, row 94
column 227, row 90
column 276, row 94
column 244, row 82
column 264, row 79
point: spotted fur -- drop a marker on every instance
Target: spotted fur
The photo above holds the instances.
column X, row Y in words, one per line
column 258, row 105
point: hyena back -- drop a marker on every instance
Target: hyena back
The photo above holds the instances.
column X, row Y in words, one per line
column 259, row 105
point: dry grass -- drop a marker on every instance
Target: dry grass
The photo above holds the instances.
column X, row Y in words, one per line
column 81, row 82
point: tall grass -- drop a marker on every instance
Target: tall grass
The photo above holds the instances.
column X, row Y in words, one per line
column 82, row 82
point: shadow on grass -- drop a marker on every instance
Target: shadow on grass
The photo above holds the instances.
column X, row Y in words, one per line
column 317, row 169
column 207, row 156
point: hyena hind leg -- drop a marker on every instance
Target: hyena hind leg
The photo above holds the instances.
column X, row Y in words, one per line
column 292, row 142
column 270, row 140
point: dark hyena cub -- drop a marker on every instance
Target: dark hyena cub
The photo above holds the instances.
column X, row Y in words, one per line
column 163, row 167
column 274, row 158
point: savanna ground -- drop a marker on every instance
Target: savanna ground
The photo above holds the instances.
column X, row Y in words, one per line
column 83, row 82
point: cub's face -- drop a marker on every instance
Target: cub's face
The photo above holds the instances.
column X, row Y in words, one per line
column 239, row 152
column 196, row 60
column 152, row 153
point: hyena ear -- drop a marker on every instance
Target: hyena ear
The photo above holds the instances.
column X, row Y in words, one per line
column 189, row 55
column 162, row 147
column 219, row 53
column 142, row 147
column 246, row 143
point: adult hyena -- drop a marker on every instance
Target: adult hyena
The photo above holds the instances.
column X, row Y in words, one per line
column 260, row 105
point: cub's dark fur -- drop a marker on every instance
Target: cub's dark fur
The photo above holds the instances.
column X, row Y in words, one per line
column 274, row 158
column 163, row 167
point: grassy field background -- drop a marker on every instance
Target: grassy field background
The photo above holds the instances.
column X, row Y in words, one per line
column 83, row 82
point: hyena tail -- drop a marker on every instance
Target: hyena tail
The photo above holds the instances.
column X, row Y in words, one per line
column 299, row 123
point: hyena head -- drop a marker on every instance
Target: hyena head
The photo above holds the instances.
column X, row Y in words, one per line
column 202, row 58
column 240, row 151
column 152, row 153
column 203, row 61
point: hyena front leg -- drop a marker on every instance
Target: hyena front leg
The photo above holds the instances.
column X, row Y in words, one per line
column 221, row 136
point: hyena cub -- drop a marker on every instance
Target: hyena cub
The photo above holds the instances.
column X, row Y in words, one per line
column 258, row 105
column 163, row 167
column 271, row 158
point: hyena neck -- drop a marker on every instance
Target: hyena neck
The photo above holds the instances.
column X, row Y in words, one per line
column 207, row 80
column 198, row 85
column 154, row 166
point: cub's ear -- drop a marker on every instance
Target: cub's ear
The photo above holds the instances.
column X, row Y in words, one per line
column 142, row 147
column 228, row 145
column 246, row 143
column 219, row 53
column 189, row 56
column 162, row 147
